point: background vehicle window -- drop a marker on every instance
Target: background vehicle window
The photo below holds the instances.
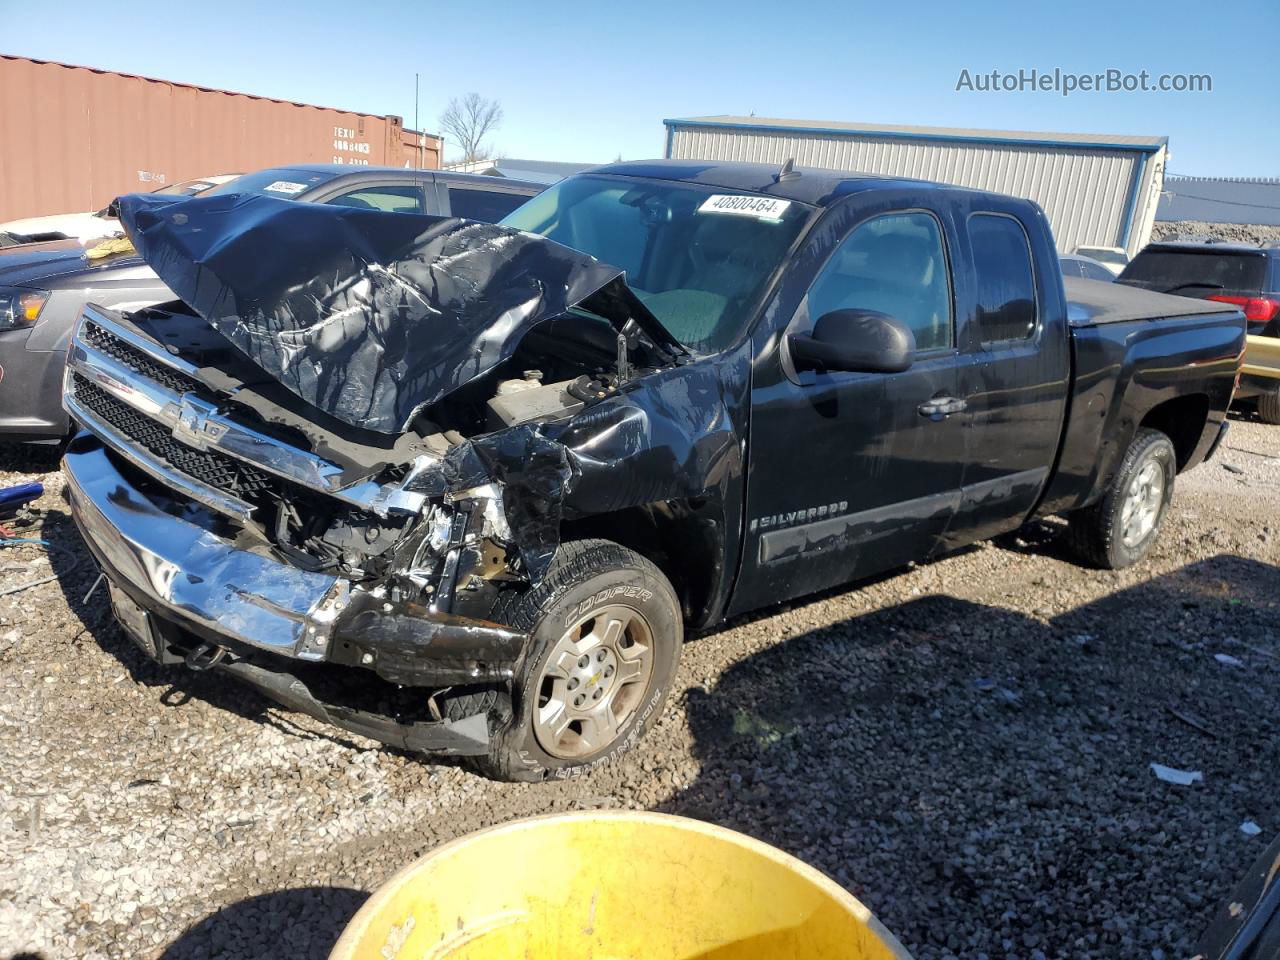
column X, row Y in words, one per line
column 894, row 264
column 1006, row 289
column 389, row 199
column 487, row 206
column 1191, row 272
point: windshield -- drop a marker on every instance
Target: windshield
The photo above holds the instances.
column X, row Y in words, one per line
column 187, row 188
column 699, row 259
column 280, row 182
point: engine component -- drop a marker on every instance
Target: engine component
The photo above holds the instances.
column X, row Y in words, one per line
column 531, row 381
column 534, row 402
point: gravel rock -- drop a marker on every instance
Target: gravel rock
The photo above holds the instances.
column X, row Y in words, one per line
column 1232, row 232
column 965, row 745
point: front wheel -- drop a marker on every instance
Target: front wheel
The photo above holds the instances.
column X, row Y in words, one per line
column 1120, row 529
column 606, row 632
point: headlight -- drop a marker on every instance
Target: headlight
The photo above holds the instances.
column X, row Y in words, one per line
column 20, row 308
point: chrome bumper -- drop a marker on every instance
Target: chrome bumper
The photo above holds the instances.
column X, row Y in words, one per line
column 193, row 576
column 184, row 574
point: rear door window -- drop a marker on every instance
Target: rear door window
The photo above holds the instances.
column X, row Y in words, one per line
column 1006, row 284
column 487, row 206
column 1196, row 272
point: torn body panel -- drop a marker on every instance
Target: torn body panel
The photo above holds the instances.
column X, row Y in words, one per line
column 672, row 441
column 377, row 322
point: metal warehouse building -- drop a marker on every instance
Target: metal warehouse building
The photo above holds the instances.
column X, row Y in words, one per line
column 1097, row 189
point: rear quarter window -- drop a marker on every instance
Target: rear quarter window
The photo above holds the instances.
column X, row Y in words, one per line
column 1006, row 285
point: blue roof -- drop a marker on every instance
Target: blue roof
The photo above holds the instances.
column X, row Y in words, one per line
column 1221, row 200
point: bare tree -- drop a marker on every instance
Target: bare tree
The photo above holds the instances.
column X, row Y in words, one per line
column 468, row 121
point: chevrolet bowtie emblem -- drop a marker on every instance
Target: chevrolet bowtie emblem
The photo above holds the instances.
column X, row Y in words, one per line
column 195, row 426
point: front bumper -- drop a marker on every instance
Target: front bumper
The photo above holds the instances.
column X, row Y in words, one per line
column 192, row 576
column 271, row 620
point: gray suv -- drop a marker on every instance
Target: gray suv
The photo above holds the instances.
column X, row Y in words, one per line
column 43, row 286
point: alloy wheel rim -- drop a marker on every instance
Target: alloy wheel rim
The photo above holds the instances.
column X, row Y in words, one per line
column 593, row 682
column 1142, row 504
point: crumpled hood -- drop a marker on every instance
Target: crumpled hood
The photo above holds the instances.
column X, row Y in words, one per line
column 368, row 316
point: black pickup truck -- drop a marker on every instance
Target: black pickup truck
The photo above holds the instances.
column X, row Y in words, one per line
column 463, row 488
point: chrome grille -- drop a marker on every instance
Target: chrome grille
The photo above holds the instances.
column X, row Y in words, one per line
column 108, row 343
column 152, row 409
column 212, row 469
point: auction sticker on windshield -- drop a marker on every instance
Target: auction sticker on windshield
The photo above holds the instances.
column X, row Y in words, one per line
column 762, row 208
column 285, row 186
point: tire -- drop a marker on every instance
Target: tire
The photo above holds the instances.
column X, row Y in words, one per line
column 1097, row 534
column 1269, row 406
column 594, row 590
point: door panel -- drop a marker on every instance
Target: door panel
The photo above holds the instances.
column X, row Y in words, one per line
column 847, row 479
column 847, row 476
column 1013, row 377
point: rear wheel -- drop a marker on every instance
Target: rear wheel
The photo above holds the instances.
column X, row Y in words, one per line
column 1269, row 406
column 1120, row 529
column 606, row 633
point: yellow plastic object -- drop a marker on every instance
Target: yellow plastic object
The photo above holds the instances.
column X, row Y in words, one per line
column 109, row 247
column 613, row 886
column 1262, row 357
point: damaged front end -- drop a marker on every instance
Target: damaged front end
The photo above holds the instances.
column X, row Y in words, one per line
column 337, row 458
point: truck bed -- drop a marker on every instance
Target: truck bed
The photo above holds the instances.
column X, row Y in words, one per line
column 1141, row 357
column 1094, row 302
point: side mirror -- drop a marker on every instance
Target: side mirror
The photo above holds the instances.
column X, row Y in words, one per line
column 857, row 341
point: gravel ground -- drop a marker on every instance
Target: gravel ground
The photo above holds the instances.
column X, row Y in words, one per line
column 1233, row 232
column 965, row 745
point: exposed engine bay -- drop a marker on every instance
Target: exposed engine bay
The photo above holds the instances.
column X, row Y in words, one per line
column 458, row 539
column 385, row 353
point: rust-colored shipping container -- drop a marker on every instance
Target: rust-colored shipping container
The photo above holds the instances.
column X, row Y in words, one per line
column 77, row 137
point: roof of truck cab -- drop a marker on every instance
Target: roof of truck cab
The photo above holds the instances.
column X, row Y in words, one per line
column 814, row 186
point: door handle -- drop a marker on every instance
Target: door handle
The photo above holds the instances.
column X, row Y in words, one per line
column 939, row 408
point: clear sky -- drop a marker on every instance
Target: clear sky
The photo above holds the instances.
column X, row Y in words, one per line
column 588, row 82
